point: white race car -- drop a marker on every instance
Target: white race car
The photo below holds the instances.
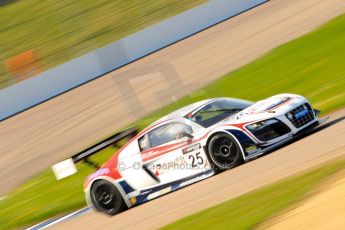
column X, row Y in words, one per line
column 193, row 143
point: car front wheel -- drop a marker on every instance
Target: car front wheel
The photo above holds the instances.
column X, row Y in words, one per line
column 224, row 152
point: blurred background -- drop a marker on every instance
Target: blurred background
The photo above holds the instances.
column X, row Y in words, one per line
column 36, row 35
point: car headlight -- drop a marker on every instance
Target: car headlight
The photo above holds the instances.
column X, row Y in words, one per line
column 261, row 124
column 268, row 129
column 290, row 116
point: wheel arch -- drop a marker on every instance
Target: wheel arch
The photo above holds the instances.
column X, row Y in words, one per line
column 228, row 133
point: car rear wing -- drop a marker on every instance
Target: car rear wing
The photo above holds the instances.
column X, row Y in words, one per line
column 113, row 140
column 67, row 167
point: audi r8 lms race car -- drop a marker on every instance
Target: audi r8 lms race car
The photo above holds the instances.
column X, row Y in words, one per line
column 193, row 143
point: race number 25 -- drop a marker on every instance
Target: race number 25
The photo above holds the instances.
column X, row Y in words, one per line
column 196, row 159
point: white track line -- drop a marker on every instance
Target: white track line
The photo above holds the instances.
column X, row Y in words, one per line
column 50, row 222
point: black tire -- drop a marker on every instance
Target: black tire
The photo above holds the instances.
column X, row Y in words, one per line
column 224, row 152
column 106, row 198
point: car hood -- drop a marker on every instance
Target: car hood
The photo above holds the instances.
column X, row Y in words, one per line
column 271, row 107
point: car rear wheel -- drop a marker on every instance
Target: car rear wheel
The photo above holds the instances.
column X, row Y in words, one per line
column 106, row 198
column 224, row 152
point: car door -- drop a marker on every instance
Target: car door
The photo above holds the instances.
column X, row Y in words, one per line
column 171, row 153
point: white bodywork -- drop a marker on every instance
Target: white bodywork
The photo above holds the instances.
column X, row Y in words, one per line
column 140, row 180
column 179, row 155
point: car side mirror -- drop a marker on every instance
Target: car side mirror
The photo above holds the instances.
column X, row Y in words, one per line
column 185, row 134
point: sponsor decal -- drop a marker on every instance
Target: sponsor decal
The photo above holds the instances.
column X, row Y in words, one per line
column 159, row 193
column 251, row 149
column 191, row 181
column 301, row 113
column 191, row 148
column 162, row 168
column 133, row 194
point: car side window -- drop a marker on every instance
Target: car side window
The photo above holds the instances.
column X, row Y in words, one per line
column 144, row 142
column 164, row 134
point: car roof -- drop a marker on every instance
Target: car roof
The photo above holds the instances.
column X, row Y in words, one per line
column 184, row 111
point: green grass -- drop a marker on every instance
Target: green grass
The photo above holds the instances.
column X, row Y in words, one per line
column 63, row 30
column 249, row 210
column 312, row 65
column 43, row 196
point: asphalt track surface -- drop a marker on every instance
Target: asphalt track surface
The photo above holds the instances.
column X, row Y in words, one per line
column 36, row 139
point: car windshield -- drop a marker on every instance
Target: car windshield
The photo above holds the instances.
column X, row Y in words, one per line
column 217, row 111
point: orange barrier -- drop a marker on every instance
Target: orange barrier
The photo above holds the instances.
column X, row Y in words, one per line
column 23, row 66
